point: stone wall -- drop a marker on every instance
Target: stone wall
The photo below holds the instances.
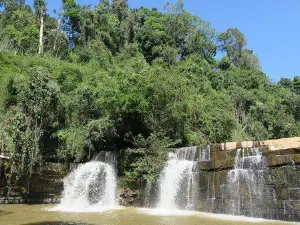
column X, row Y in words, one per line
column 280, row 199
column 268, row 189
column 44, row 186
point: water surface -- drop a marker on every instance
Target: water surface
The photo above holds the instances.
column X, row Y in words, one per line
column 40, row 215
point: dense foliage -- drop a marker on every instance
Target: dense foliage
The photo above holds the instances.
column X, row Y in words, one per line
column 137, row 80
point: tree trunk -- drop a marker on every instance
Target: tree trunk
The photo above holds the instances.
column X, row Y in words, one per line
column 41, row 44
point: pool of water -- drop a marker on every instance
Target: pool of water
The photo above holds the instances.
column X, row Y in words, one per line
column 45, row 215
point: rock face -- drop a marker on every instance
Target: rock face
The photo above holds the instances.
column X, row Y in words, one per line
column 129, row 197
column 44, row 186
column 277, row 197
column 257, row 179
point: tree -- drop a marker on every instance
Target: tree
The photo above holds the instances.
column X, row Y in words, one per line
column 285, row 83
column 71, row 19
column 40, row 8
column 296, row 84
column 152, row 36
column 199, row 41
column 247, row 60
column 175, row 21
column 189, row 33
column 12, row 5
column 232, row 42
column 119, row 8
column 224, row 63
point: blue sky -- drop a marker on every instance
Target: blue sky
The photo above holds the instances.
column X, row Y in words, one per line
column 272, row 27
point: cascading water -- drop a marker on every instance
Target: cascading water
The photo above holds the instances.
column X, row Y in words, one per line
column 204, row 153
column 147, row 195
column 246, row 192
column 177, row 184
column 90, row 187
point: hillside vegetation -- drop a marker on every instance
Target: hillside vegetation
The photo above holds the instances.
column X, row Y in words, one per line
column 138, row 81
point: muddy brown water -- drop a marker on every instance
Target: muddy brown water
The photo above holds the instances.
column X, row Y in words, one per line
column 40, row 215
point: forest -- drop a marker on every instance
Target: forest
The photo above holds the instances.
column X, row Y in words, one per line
column 136, row 81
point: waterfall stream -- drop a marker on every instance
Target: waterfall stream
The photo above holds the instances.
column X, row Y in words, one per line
column 177, row 185
column 90, row 187
column 246, row 191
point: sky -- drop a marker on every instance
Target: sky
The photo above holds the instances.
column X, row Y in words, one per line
column 271, row 27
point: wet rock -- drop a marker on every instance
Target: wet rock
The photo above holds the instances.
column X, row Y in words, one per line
column 44, row 186
column 129, row 197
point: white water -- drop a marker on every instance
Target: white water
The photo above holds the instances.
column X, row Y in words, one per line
column 147, row 196
column 246, row 189
column 90, row 187
column 204, row 154
column 177, row 181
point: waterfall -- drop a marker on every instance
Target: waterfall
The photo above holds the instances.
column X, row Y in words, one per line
column 91, row 186
column 246, row 192
column 147, row 195
column 177, row 184
column 204, row 153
